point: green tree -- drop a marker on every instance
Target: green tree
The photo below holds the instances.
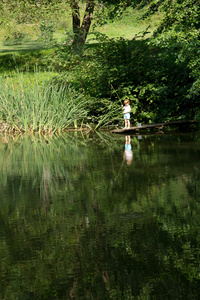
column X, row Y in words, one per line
column 81, row 30
column 179, row 35
column 35, row 11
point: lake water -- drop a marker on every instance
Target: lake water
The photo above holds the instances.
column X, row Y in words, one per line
column 100, row 216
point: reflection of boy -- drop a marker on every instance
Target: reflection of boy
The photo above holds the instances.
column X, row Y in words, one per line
column 128, row 154
column 126, row 110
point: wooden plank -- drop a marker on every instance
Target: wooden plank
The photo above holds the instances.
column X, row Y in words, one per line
column 159, row 126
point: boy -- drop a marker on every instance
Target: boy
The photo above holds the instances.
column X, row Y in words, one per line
column 128, row 153
column 126, row 110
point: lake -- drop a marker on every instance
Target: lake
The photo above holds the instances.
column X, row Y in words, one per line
column 100, row 216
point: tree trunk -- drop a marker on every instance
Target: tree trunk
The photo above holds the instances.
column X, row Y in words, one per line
column 81, row 30
column 76, row 22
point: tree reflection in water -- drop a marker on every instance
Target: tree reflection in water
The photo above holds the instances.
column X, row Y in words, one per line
column 78, row 223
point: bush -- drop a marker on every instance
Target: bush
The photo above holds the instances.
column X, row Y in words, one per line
column 38, row 105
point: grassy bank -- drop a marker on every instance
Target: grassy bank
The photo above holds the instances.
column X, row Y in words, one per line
column 33, row 101
column 35, row 104
column 88, row 84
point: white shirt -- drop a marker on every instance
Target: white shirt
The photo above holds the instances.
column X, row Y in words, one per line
column 127, row 109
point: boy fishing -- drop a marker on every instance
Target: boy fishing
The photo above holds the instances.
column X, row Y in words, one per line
column 126, row 111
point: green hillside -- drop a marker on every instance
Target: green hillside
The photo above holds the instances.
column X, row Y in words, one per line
column 17, row 37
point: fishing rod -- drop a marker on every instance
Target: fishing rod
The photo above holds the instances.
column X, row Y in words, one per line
column 116, row 94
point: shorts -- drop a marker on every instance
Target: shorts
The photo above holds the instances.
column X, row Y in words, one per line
column 128, row 147
column 127, row 116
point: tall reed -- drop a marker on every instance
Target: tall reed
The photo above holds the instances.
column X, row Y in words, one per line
column 37, row 104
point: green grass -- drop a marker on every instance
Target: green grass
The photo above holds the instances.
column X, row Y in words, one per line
column 14, row 46
column 35, row 104
column 128, row 27
column 131, row 25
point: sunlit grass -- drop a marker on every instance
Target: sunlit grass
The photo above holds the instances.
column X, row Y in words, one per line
column 129, row 26
column 37, row 104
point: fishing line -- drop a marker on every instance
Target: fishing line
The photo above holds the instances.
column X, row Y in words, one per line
column 116, row 93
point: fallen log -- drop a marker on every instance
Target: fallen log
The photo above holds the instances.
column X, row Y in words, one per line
column 158, row 126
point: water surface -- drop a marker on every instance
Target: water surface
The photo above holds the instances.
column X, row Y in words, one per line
column 100, row 216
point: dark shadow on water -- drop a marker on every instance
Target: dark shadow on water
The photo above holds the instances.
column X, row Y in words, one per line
column 79, row 223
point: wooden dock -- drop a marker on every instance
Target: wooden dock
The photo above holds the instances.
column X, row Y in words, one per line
column 157, row 126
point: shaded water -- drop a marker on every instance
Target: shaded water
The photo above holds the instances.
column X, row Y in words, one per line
column 88, row 217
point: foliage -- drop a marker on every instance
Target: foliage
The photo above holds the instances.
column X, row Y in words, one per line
column 159, row 88
column 40, row 105
column 160, row 75
column 47, row 30
column 178, row 35
column 107, row 112
column 28, row 11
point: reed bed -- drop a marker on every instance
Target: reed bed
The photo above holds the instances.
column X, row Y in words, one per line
column 38, row 105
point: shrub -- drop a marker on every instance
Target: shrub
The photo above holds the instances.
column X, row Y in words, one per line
column 36, row 104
